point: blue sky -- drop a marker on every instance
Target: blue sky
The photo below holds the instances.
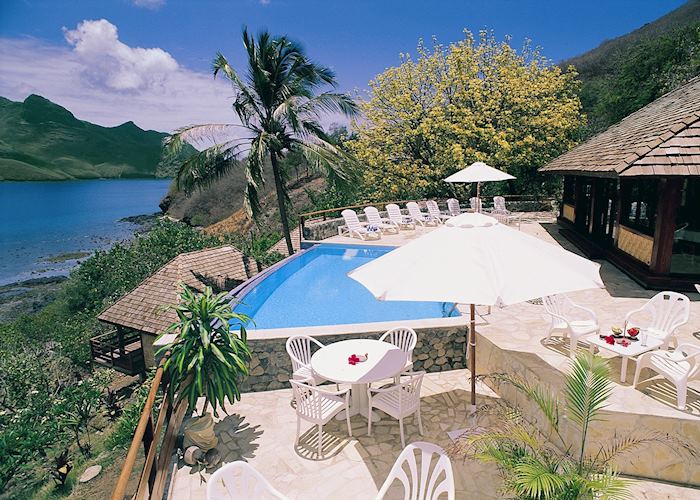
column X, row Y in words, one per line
column 89, row 55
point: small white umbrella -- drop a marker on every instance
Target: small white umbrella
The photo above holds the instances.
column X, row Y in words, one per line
column 479, row 172
column 473, row 259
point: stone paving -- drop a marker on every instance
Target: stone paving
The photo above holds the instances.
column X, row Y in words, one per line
column 261, row 427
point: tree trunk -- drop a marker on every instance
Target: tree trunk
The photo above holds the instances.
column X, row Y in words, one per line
column 280, row 202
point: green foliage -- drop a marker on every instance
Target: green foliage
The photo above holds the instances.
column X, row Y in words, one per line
column 477, row 99
column 629, row 76
column 123, row 431
column 207, row 359
column 278, row 102
column 40, row 140
column 536, row 467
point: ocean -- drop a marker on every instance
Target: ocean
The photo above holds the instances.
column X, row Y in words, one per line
column 43, row 223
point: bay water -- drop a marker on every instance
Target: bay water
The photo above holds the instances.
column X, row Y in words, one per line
column 41, row 223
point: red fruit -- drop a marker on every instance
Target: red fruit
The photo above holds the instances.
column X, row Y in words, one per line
column 633, row 332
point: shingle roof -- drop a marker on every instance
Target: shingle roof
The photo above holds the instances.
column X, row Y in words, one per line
column 146, row 307
column 281, row 246
column 662, row 138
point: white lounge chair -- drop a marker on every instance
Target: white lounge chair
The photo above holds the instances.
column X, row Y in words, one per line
column 398, row 400
column 499, row 206
column 475, row 204
column 405, row 339
column 299, row 348
column 354, row 227
column 319, row 407
column 374, row 219
column 240, row 480
column 679, row 367
column 661, row 316
column 423, row 483
column 562, row 310
column 420, row 217
column 435, row 212
column 404, row 221
column 453, row 207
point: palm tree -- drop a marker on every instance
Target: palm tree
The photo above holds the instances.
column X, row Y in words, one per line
column 537, row 466
column 279, row 102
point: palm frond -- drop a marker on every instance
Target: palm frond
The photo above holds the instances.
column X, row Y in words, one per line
column 543, row 397
column 196, row 134
column 535, row 479
column 587, row 388
column 330, row 102
column 204, row 167
column 619, row 446
column 608, row 486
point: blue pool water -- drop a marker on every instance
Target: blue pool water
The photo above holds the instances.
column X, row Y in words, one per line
column 313, row 289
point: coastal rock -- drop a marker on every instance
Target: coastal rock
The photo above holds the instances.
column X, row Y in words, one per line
column 90, row 473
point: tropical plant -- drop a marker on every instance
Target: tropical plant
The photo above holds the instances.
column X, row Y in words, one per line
column 474, row 100
column 538, row 467
column 209, row 358
column 61, row 468
column 279, row 109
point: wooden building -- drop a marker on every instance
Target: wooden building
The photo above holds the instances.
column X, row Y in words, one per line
column 632, row 192
column 144, row 313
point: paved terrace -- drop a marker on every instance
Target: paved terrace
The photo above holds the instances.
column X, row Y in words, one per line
column 261, row 427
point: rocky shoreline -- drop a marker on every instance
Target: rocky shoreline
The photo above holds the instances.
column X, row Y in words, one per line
column 28, row 296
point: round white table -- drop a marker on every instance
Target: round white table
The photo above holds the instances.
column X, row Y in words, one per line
column 384, row 360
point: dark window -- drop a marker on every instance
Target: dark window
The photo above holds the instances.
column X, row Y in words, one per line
column 686, row 237
column 569, row 190
column 638, row 205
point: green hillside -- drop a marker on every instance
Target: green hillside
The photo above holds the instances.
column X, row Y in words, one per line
column 40, row 140
column 626, row 73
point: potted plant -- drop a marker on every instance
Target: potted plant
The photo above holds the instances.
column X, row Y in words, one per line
column 207, row 360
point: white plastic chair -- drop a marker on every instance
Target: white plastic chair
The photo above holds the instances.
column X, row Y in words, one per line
column 475, row 204
column 435, row 212
column 354, row 227
column 299, row 348
column 679, row 367
column 499, row 206
column 377, row 220
column 405, row 339
column 453, row 207
column 394, row 213
column 398, row 400
column 420, row 217
column 240, row 480
column 664, row 312
column 423, row 483
column 319, row 407
column 561, row 310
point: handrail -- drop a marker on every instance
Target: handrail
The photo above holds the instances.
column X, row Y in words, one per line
column 143, row 434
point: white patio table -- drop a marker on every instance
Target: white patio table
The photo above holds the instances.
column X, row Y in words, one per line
column 631, row 351
column 384, row 361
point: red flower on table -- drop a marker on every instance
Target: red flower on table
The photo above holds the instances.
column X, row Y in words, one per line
column 610, row 339
column 353, row 359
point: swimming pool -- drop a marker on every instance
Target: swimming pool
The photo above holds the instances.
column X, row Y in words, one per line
column 313, row 289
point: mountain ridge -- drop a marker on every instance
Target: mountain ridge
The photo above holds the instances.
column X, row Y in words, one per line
column 42, row 140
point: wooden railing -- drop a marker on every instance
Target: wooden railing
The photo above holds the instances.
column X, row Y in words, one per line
column 121, row 352
column 158, row 441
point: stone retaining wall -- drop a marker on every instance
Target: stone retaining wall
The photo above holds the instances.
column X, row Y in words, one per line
column 437, row 349
column 653, row 460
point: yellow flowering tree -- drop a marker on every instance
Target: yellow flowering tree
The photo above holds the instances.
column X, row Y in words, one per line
column 474, row 100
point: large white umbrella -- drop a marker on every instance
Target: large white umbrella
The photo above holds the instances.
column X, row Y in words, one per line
column 473, row 259
column 479, row 172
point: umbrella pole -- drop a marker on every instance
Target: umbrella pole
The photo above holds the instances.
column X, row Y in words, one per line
column 472, row 352
column 478, row 198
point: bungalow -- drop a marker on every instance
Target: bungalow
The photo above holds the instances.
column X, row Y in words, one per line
column 144, row 313
column 632, row 193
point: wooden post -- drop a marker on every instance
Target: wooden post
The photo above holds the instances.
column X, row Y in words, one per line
column 666, row 209
column 472, row 351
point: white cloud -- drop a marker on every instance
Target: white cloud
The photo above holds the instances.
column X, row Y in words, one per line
column 104, row 81
column 264, row 2
column 113, row 64
column 149, row 4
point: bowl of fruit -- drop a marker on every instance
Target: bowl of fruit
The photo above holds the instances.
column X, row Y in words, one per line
column 617, row 332
column 632, row 333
